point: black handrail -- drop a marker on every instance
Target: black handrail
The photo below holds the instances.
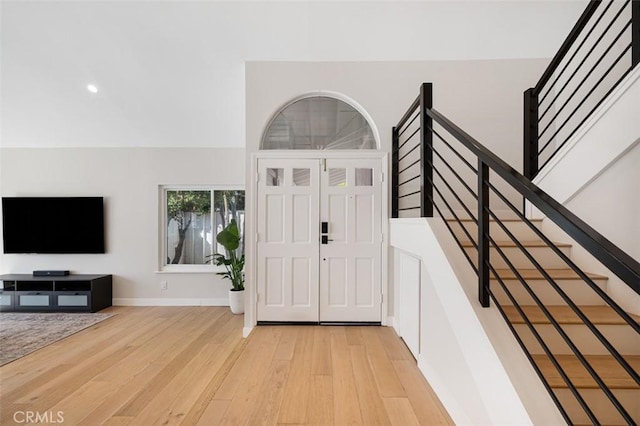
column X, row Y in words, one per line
column 584, row 79
column 426, row 150
column 566, row 45
column 579, row 126
column 573, row 55
column 413, row 108
column 566, row 260
column 545, row 98
column 399, row 153
column 635, row 32
column 616, row 260
column 585, row 320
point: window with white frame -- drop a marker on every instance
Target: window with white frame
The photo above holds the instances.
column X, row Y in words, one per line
column 191, row 219
column 319, row 122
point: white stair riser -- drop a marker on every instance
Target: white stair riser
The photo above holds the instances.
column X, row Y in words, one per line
column 543, row 255
column 578, row 291
column 520, row 230
column 622, row 337
column 600, row 404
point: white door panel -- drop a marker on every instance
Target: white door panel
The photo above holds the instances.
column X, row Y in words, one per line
column 300, row 279
column 350, row 278
column 287, row 254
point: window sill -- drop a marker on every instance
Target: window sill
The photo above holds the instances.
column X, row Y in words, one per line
column 191, row 270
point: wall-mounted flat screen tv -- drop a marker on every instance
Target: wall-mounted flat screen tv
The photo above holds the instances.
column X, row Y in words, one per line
column 53, row 224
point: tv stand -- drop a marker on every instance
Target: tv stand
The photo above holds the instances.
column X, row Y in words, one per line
column 71, row 293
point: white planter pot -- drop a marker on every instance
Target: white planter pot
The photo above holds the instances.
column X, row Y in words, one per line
column 236, row 301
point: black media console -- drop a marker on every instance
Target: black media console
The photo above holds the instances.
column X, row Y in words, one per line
column 72, row 293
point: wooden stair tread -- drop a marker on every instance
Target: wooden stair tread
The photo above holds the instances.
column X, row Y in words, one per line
column 467, row 219
column 556, row 274
column 565, row 315
column 613, row 375
column 533, row 243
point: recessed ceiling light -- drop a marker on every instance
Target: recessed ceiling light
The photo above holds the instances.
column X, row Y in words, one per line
column 92, row 88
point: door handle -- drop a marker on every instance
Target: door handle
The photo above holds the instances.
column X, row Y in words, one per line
column 325, row 239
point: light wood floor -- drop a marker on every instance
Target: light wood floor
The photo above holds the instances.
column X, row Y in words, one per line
column 190, row 365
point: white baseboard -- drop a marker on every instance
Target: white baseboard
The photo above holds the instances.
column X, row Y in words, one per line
column 169, row 302
column 246, row 331
column 390, row 322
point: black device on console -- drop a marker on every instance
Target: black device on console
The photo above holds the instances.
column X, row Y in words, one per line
column 51, row 273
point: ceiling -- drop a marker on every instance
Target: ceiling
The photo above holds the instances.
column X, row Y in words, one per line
column 171, row 73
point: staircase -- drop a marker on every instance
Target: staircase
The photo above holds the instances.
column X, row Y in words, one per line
column 523, row 314
column 584, row 347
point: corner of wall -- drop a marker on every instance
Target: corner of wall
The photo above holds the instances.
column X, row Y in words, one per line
column 246, row 331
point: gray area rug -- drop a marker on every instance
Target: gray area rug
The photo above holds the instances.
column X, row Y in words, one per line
column 23, row 333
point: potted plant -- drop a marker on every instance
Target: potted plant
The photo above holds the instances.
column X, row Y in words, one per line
column 229, row 238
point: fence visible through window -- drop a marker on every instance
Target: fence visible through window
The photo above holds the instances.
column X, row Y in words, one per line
column 194, row 218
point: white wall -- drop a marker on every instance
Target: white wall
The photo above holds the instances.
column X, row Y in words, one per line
column 612, row 202
column 129, row 179
column 483, row 97
column 467, row 353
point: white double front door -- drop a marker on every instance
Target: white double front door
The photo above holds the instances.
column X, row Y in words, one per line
column 319, row 243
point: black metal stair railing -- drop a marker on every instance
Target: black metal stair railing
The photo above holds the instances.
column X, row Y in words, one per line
column 601, row 50
column 434, row 163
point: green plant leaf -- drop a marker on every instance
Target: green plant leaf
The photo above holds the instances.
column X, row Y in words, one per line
column 229, row 237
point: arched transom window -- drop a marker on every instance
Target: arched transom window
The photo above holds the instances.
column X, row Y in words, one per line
column 319, row 122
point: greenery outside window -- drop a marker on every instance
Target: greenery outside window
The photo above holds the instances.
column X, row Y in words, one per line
column 191, row 219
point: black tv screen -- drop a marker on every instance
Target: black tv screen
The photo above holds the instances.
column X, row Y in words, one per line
column 53, row 224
